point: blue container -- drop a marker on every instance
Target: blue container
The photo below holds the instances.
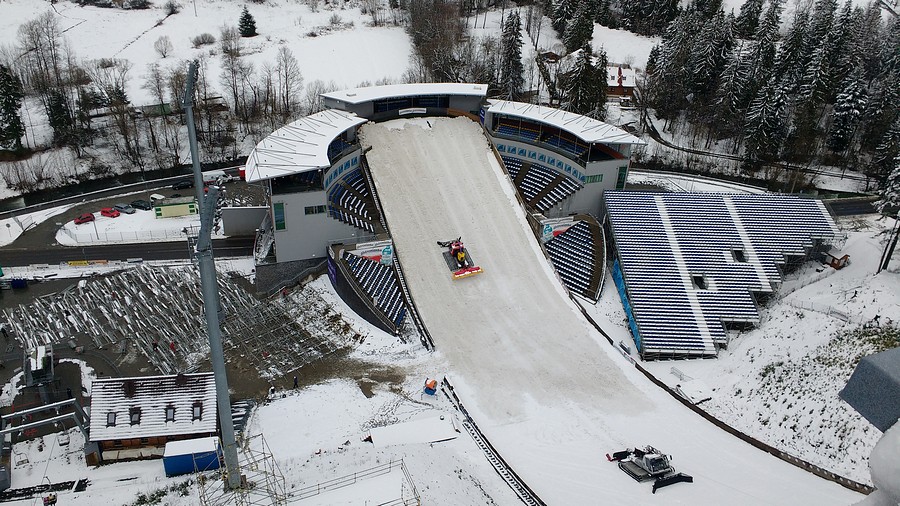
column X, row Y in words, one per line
column 191, row 455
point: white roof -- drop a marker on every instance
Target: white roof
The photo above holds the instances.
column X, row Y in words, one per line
column 629, row 78
column 300, row 146
column 369, row 93
column 191, row 446
column 152, row 394
column 586, row 129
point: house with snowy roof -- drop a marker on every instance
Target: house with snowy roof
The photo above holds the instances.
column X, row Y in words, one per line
column 134, row 418
column 620, row 81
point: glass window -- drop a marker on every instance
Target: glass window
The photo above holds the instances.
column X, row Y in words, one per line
column 278, row 211
column 197, row 411
column 314, row 209
column 620, row 181
column 110, row 419
column 170, row 414
column 134, row 415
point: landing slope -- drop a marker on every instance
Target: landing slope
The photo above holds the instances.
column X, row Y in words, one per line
column 548, row 394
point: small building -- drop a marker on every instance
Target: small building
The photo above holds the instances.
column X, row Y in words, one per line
column 178, row 206
column 620, row 81
column 134, row 418
column 191, row 455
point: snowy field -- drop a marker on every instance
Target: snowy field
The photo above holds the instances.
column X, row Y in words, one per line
column 364, row 54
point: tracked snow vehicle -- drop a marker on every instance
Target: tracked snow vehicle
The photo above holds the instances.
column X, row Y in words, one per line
column 648, row 463
column 458, row 260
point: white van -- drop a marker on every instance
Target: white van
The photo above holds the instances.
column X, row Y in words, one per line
column 215, row 177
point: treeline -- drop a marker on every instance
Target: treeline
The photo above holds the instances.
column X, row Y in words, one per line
column 827, row 92
column 90, row 111
column 445, row 53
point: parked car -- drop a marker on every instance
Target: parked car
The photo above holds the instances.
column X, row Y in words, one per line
column 143, row 205
column 84, row 218
column 109, row 212
column 155, row 197
column 183, row 184
column 124, row 208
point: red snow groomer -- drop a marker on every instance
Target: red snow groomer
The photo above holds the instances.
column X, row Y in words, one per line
column 458, row 260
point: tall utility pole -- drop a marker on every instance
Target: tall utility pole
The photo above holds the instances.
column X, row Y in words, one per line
column 210, row 288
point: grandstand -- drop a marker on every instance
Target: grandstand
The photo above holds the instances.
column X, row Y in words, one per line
column 569, row 159
column 689, row 264
column 380, row 284
column 577, row 254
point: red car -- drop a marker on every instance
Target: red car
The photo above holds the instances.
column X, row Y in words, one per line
column 109, row 212
column 84, row 218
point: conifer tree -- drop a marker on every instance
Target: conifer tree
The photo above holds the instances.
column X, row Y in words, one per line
column 60, row 118
column 580, row 30
column 890, row 193
column 584, row 87
column 246, row 24
column 765, row 125
column 748, row 20
column 885, row 154
column 511, row 79
column 11, row 127
column 562, row 12
column 848, row 108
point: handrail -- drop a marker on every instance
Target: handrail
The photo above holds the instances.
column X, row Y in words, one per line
column 350, row 479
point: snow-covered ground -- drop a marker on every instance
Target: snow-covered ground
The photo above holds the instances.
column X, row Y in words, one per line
column 554, row 436
column 348, row 57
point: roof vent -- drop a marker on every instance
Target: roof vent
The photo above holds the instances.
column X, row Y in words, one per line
column 181, row 380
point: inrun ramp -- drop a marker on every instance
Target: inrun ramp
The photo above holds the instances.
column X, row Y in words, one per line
column 547, row 390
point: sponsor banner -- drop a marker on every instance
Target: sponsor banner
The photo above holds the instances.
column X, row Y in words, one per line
column 375, row 251
column 552, row 228
column 412, row 110
column 387, row 255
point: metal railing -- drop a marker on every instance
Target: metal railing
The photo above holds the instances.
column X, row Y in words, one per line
column 124, row 236
column 352, row 479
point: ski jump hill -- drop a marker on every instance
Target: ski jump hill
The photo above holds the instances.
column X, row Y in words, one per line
column 545, row 387
column 547, row 390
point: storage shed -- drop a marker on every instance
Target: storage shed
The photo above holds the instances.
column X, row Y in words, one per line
column 191, row 455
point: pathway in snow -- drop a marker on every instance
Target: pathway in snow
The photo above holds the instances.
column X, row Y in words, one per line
column 550, row 397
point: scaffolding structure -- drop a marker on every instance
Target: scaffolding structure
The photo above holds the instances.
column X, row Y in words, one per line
column 157, row 312
column 262, row 483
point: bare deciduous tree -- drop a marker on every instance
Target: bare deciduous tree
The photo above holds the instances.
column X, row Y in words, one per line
column 289, row 80
column 312, row 98
column 163, row 46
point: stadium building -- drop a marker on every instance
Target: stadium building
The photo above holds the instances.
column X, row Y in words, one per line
column 322, row 203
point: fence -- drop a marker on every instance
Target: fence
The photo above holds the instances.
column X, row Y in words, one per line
column 826, row 310
column 802, row 464
column 372, row 472
column 96, row 236
column 806, row 281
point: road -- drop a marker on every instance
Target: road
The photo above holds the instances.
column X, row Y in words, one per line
column 13, row 256
column 814, row 171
